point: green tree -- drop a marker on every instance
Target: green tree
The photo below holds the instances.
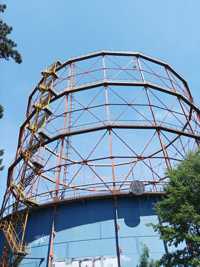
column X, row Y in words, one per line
column 1, row 151
column 144, row 259
column 179, row 213
column 7, row 51
column 7, row 46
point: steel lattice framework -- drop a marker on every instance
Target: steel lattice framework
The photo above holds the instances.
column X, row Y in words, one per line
column 98, row 122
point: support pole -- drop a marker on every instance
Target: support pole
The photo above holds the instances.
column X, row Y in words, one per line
column 116, row 231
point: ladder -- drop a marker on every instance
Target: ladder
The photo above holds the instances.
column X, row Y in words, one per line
column 18, row 192
column 14, row 225
column 14, row 245
column 11, row 238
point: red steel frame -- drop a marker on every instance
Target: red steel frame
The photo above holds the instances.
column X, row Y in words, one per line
column 176, row 130
column 93, row 125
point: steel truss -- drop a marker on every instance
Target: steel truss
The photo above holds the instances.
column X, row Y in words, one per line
column 93, row 125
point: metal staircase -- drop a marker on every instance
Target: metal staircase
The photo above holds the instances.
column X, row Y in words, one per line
column 18, row 250
column 14, row 224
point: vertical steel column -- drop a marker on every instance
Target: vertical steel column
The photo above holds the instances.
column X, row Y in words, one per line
column 50, row 254
column 116, row 231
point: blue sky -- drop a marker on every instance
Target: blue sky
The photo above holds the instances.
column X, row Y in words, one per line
column 49, row 30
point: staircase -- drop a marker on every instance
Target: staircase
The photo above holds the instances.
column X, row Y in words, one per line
column 11, row 238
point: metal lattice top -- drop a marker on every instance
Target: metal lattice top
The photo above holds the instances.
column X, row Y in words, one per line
column 96, row 123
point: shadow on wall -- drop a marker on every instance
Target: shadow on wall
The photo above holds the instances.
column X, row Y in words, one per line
column 83, row 212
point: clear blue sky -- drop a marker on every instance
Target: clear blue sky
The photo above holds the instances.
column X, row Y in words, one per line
column 48, row 30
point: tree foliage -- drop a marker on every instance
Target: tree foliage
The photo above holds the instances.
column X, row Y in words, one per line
column 1, row 151
column 179, row 213
column 7, row 51
column 145, row 260
column 7, row 46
